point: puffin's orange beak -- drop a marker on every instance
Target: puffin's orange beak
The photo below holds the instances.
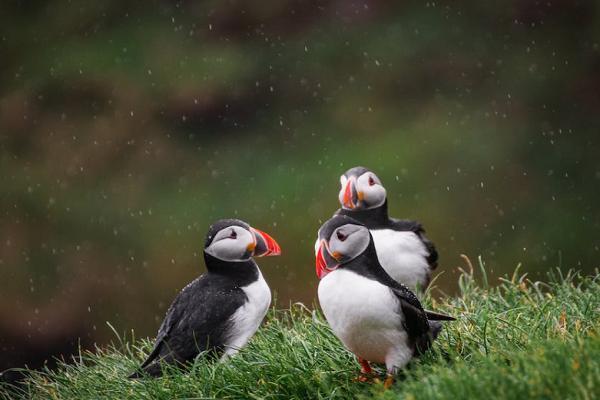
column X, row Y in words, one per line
column 323, row 267
column 350, row 198
column 264, row 244
column 320, row 264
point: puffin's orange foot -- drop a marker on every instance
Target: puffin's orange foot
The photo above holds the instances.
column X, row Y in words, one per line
column 366, row 373
column 365, row 367
column 389, row 381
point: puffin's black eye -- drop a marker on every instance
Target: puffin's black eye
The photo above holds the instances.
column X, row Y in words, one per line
column 341, row 236
column 233, row 234
column 371, row 181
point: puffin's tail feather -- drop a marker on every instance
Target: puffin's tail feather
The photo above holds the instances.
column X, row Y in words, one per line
column 435, row 327
column 136, row 375
column 152, row 370
column 433, row 316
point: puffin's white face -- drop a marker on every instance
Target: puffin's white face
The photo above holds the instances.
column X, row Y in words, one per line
column 345, row 244
column 233, row 243
column 362, row 192
column 236, row 243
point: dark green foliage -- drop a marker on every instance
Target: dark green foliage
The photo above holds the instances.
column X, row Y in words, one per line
column 521, row 339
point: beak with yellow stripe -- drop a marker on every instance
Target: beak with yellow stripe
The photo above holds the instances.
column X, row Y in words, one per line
column 341, row 240
column 235, row 240
column 361, row 189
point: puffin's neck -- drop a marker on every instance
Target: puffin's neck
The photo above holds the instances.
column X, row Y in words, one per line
column 367, row 265
column 241, row 272
column 371, row 217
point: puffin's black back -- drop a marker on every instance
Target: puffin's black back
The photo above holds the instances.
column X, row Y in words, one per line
column 197, row 321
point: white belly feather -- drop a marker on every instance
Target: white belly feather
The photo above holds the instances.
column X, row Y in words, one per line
column 403, row 256
column 247, row 318
column 365, row 315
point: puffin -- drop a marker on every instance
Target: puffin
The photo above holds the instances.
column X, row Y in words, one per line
column 218, row 312
column 377, row 318
column 404, row 251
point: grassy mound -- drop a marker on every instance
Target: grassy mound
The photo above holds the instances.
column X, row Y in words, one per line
column 519, row 339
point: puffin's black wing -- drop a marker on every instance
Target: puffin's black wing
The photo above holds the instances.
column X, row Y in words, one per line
column 197, row 320
column 434, row 316
column 422, row 325
column 432, row 258
column 415, row 318
column 417, row 228
column 173, row 314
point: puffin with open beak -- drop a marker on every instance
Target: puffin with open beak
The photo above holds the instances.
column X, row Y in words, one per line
column 221, row 310
column 402, row 247
column 375, row 317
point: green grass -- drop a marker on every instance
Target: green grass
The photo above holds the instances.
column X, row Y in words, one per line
column 518, row 339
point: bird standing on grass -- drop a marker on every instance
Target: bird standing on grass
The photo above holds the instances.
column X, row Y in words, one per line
column 375, row 317
column 218, row 312
column 403, row 250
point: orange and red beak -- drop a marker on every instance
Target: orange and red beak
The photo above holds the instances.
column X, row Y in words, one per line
column 324, row 262
column 350, row 198
column 265, row 245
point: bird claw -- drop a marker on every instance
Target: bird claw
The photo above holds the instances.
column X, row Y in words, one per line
column 367, row 378
column 387, row 383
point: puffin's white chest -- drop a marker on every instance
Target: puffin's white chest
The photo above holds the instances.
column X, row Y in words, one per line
column 403, row 255
column 246, row 320
column 365, row 315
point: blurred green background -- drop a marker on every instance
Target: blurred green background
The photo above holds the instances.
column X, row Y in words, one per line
column 127, row 127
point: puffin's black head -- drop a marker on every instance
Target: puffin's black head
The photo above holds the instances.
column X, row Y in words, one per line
column 361, row 189
column 235, row 240
column 341, row 240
